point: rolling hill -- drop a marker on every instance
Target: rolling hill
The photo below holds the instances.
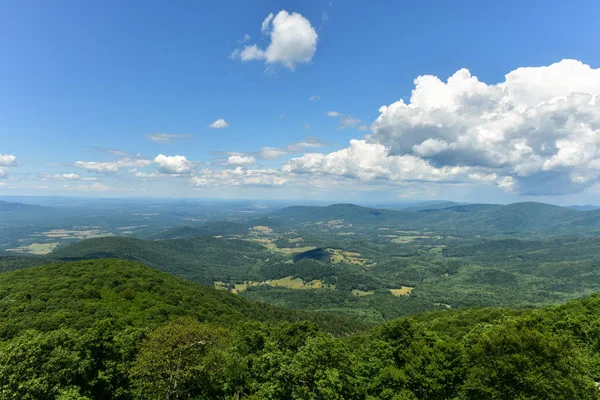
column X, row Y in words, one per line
column 520, row 219
column 202, row 259
column 77, row 294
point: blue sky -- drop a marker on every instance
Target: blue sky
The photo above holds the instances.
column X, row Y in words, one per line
column 92, row 93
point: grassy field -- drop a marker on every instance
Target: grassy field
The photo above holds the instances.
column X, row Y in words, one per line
column 346, row 257
column 403, row 291
column 36, row 248
column 272, row 246
column 288, row 282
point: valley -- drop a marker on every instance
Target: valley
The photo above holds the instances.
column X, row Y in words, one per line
column 366, row 263
column 379, row 302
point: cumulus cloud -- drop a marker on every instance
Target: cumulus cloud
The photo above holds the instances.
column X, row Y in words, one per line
column 3, row 172
column 8, row 160
column 371, row 161
column 239, row 177
column 3, row 185
column 271, row 153
column 173, row 164
column 535, row 133
column 240, row 160
column 293, row 40
column 219, row 124
column 166, row 137
column 111, row 167
column 314, row 98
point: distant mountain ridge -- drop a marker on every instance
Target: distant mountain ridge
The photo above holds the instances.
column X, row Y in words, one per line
column 525, row 218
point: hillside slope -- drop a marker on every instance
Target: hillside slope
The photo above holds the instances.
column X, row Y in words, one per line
column 80, row 293
column 527, row 218
column 201, row 259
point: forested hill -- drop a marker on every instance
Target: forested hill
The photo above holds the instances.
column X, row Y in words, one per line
column 77, row 294
column 527, row 218
column 110, row 329
column 201, row 259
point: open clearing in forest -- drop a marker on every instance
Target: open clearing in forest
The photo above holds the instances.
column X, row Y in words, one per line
column 271, row 246
column 403, row 291
column 346, row 257
column 286, row 282
column 36, row 248
column 261, row 230
column 76, row 233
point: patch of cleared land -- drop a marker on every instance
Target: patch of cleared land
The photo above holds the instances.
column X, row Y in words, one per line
column 403, row 291
column 295, row 240
column 347, row 257
column 271, row 246
column 408, row 239
column 36, row 248
column 260, row 229
column 75, row 233
column 286, row 282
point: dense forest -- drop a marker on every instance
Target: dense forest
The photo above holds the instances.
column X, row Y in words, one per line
column 111, row 329
column 449, row 272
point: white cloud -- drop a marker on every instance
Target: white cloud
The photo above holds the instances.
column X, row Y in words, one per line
column 239, row 177
column 7, row 160
column 3, row 185
column 264, row 28
column 249, row 53
column 293, row 41
column 114, row 152
column 244, row 39
column 100, row 187
column 536, row 133
column 62, row 177
column 111, row 167
column 271, row 153
column 3, row 172
column 314, row 98
column 371, row 161
column 240, row 160
column 140, row 174
column 173, row 164
column 166, row 137
column 310, row 142
column 219, row 124
column 347, row 121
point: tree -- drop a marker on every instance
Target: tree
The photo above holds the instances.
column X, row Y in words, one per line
column 39, row 366
column 515, row 360
column 179, row 360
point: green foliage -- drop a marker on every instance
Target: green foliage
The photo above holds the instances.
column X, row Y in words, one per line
column 219, row 348
column 516, row 360
column 79, row 293
column 180, row 360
